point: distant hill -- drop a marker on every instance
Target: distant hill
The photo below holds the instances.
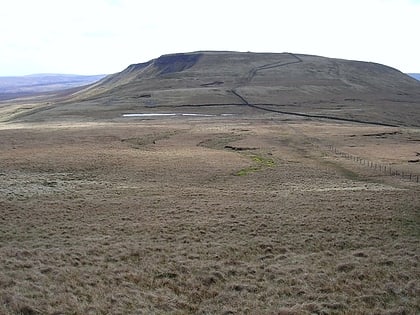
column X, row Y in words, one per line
column 414, row 75
column 245, row 83
column 18, row 86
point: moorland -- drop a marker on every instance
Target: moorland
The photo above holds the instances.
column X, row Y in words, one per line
column 273, row 184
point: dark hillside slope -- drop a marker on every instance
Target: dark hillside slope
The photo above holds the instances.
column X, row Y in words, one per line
column 246, row 83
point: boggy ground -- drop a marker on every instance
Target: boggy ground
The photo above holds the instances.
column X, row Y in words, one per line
column 160, row 217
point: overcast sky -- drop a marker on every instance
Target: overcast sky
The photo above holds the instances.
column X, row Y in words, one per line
column 105, row 36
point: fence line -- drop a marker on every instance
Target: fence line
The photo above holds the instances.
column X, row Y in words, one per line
column 382, row 168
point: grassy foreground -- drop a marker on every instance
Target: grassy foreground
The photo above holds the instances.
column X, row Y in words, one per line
column 151, row 218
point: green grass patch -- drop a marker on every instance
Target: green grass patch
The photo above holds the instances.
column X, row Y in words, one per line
column 247, row 170
column 260, row 163
column 263, row 161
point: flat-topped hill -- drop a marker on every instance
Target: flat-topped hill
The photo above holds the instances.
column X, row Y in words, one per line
column 246, row 83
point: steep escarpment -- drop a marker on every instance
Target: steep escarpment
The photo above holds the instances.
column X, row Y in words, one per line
column 175, row 63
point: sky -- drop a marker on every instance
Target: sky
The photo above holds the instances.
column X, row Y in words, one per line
column 105, row 36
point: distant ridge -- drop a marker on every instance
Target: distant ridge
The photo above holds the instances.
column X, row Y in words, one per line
column 414, row 75
column 18, row 86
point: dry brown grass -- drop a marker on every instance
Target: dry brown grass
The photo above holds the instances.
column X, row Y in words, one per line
column 93, row 223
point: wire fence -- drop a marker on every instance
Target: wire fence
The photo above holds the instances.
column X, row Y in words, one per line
column 379, row 167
